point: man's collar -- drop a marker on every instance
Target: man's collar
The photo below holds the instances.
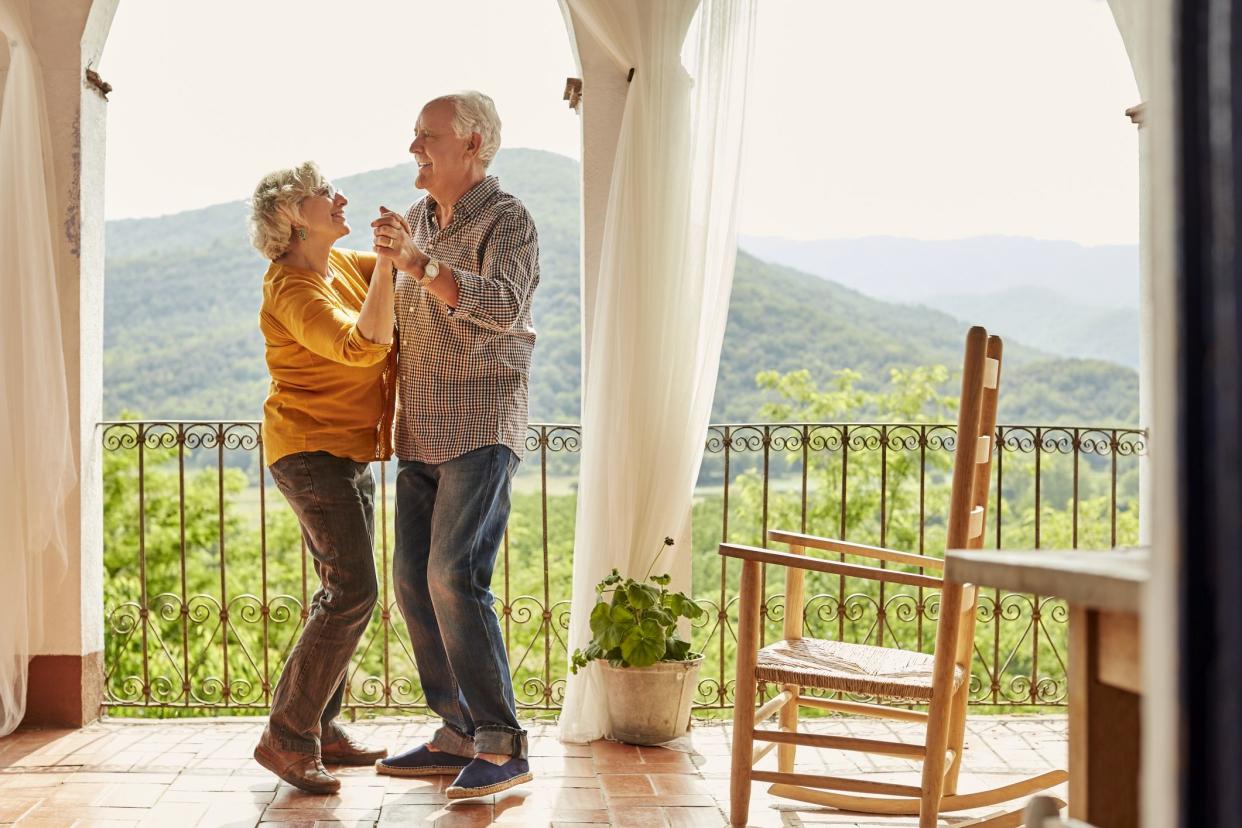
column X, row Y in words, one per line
column 472, row 199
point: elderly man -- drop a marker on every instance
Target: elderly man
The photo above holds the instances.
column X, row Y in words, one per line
column 469, row 261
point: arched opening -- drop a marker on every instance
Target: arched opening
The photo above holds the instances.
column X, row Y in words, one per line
column 180, row 343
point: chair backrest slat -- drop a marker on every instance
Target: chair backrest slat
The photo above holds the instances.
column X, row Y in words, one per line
column 962, row 499
column 987, row 429
column 972, row 466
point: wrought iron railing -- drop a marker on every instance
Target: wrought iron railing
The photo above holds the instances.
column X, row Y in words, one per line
column 207, row 581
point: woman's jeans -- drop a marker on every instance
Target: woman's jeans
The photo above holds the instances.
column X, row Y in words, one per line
column 334, row 500
column 451, row 518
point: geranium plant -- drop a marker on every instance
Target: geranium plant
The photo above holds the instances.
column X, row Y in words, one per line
column 635, row 622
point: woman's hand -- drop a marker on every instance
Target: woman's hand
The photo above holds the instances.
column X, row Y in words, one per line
column 392, row 240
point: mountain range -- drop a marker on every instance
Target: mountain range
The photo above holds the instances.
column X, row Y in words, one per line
column 182, row 295
column 1062, row 297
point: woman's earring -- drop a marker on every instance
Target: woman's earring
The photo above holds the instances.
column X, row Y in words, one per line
column 302, row 233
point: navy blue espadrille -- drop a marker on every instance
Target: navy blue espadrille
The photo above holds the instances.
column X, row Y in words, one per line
column 481, row 778
column 422, row 762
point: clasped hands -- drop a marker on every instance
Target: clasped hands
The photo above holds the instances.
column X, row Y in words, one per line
column 392, row 241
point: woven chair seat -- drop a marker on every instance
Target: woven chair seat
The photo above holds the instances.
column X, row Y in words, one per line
column 850, row 668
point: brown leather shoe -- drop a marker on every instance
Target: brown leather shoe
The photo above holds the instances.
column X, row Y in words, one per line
column 301, row 770
column 348, row 751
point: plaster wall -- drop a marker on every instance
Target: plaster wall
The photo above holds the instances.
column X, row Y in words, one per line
column 69, row 36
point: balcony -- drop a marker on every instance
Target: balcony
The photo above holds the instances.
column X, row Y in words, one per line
column 207, row 582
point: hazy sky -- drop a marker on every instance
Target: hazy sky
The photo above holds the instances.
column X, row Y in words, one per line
column 888, row 117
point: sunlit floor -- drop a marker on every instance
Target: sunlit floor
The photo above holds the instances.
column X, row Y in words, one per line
column 199, row 773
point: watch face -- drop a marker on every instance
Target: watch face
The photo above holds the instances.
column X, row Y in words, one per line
column 432, row 269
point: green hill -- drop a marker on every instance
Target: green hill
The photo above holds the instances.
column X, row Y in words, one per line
column 182, row 296
column 1051, row 321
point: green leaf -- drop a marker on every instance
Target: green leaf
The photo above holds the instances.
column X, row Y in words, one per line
column 680, row 604
column 644, row 644
column 621, row 621
column 642, row 596
column 601, row 617
column 582, row 657
column 665, row 617
column 677, row 650
column 662, row 580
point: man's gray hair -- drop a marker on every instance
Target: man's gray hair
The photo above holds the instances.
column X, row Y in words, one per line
column 475, row 112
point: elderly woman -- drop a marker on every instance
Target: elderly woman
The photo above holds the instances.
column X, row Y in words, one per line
column 327, row 322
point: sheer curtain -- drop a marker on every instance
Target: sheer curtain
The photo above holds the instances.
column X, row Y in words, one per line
column 36, row 456
column 666, row 272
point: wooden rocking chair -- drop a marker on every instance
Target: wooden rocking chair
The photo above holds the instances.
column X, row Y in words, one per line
column 941, row 680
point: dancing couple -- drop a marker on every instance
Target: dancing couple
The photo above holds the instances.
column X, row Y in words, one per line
column 431, row 329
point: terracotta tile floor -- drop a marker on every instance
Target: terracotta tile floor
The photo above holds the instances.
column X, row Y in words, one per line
column 199, row 773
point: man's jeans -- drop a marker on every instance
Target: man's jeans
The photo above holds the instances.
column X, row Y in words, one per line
column 334, row 500
column 451, row 518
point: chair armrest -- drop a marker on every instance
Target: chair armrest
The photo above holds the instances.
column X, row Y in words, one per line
column 767, row 556
column 879, row 553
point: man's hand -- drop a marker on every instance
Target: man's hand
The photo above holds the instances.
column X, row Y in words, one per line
column 392, row 239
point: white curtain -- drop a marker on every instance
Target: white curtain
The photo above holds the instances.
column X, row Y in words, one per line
column 1131, row 19
column 36, row 456
column 666, row 272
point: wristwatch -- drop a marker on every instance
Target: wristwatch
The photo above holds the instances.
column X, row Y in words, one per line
column 430, row 271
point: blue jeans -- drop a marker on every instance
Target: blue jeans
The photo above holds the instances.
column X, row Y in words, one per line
column 451, row 518
column 334, row 500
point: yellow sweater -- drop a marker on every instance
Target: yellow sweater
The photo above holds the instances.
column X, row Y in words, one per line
column 332, row 388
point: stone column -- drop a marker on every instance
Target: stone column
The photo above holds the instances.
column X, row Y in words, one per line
column 1147, row 322
column 66, row 672
column 1161, row 640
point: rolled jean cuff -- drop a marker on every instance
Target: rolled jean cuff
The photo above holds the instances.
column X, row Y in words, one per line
column 450, row 741
column 498, row 739
column 287, row 744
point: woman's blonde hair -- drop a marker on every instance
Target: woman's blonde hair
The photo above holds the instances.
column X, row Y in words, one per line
column 275, row 207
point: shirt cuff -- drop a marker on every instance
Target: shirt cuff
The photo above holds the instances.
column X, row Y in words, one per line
column 366, row 350
column 469, row 289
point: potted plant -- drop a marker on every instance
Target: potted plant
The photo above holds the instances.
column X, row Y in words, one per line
column 648, row 670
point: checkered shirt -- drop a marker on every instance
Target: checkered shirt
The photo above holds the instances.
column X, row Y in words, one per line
column 463, row 374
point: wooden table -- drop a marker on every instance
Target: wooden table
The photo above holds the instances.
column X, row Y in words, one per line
column 1104, row 593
